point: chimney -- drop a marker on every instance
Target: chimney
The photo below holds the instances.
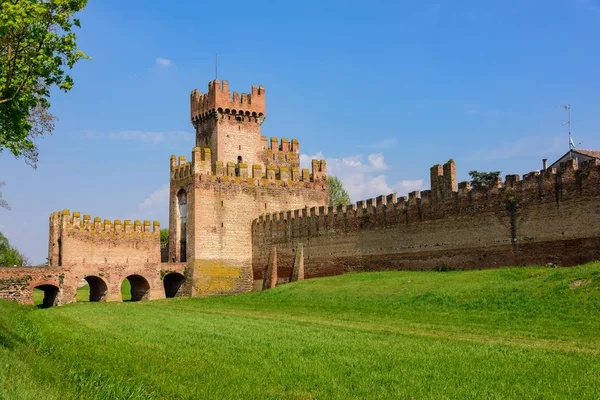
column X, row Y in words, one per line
column 545, row 163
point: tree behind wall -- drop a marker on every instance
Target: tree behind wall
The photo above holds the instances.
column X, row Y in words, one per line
column 336, row 193
column 9, row 255
column 483, row 180
column 164, row 236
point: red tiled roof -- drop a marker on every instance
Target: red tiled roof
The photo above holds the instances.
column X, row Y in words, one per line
column 589, row 153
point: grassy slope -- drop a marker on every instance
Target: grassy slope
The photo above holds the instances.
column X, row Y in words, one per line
column 518, row 333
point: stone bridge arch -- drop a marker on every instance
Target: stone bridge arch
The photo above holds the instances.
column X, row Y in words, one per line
column 140, row 287
column 98, row 288
column 173, row 283
column 51, row 289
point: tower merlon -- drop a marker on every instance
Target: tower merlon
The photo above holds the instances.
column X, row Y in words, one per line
column 319, row 170
column 219, row 100
column 443, row 181
column 283, row 145
column 295, row 146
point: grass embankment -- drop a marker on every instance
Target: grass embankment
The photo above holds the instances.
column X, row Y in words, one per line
column 508, row 333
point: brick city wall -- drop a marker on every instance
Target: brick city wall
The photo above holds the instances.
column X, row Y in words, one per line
column 544, row 218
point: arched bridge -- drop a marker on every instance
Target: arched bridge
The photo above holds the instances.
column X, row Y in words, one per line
column 59, row 285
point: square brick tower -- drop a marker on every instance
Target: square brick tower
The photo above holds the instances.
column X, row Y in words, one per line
column 234, row 176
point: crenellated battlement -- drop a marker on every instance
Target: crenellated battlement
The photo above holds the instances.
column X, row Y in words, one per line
column 535, row 187
column 545, row 217
column 242, row 172
column 219, row 100
column 65, row 220
column 283, row 145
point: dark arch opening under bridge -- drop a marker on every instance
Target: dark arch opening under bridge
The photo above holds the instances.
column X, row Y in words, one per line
column 173, row 283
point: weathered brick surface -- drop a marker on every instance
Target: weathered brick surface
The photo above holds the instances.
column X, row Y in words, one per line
column 104, row 253
column 16, row 284
column 544, row 218
column 220, row 211
column 234, row 175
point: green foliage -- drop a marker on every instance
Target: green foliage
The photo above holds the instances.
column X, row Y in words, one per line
column 519, row 333
column 483, row 180
column 336, row 193
column 164, row 236
column 37, row 45
column 9, row 255
column 512, row 201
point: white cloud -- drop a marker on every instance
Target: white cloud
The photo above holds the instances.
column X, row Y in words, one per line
column 377, row 162
column 158, row 197
column 364, row 180
column 164, row 62
column 154, row 207
column 143, row 136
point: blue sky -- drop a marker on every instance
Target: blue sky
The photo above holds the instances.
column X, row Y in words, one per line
column 383, row 90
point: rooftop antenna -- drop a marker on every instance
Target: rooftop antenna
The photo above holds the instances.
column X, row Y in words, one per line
column 572, row 146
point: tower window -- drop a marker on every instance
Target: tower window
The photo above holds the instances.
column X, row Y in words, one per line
column 240, row 146
column 237, row 167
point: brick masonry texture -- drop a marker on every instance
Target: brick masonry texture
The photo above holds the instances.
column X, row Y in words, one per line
column 104, row 253
column 241, row 203
column 544, row 218
column 235, row 174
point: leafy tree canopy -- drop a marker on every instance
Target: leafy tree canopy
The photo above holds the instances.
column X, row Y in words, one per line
column 37, row 45
column 9, row 255
column 483, row 180
column 336, row 193
column 164, row 236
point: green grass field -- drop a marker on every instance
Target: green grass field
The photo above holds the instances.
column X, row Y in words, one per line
column 521, row 333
